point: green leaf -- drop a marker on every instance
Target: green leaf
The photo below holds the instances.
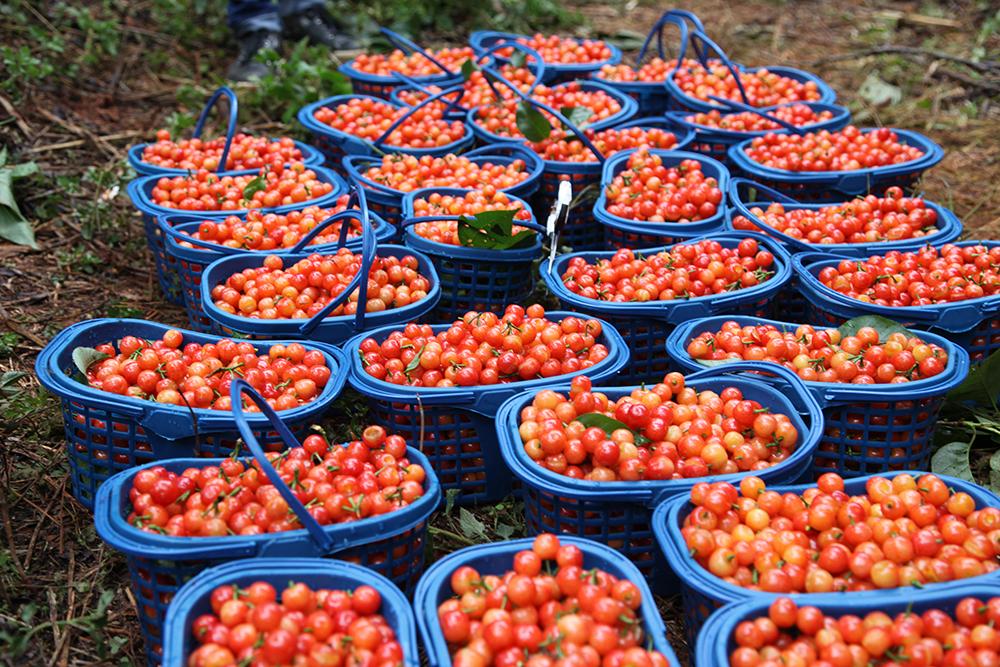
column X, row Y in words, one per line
column 24, row 169
column 995, row 471
column 85, row 357
column 982, row 385
column 504, row 530
column 609, row 425
column 577, row 115
column 8, row 386
column 256, row 185
column 532, row 123
column 470, row 525
column 518, row 58
column 468, row 69
column 953, row 459
column 883, row 325
column 879, row 92
column 415, row 361
column 492, row 230
column 712, row 363
column 449, row 500
column 13, row 226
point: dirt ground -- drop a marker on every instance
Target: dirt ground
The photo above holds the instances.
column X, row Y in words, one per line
column 80, row 86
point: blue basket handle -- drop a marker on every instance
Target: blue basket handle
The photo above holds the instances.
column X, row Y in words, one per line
column 565, row 121
column 234, row 110
column 771, row 193
column 535, row 57
column 700, row 40
column 405, row 44
column 490, row 150
column 179, row 237
column 678, row 17
column 413, row 83
column 329, row 220
column 410, row 111
column 360, row 280
column 354, row 173
column 739, row 106
column 237, row 389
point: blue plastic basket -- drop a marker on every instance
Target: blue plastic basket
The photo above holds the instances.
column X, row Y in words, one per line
column 482, row 40
column 582, row 230
column 388, row 202
column 333, row 330
column 375, row 85
column 702, row 44
column 473, row 278
column 139, row 191
column 390, row 544
column 973, row 324
column 194, row 598
column 621, row 232
column 715, row 142
column 191, row 260
column 498, row 558
column 107, row 433
column 626, row 113
column 703, row 592
column 716, row 644
column 834, row 186
column 310, row 156
column 651, row 96
column 455, row 427
column 336, row 144
column 646, row 325
column 867, row 428
column 618, row 513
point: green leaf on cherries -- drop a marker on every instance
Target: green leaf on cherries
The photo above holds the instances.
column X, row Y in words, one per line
column 712, row 363
column 577, row 115
column 609, row 425
column 85, row 357
column 883, row 325
column 415, row 361
column 492, row 230
column 532, row 123
column 468, row 69
column 253, row 187
column 518, row 58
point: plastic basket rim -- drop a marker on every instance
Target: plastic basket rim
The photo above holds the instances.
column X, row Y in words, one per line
column 551, row 272
column 118, row 533
column 666, row 529
column 805, row 274
column 311, row 157
column 644, row 491
column 306, row 117
column 290, row 326
column 672, row 156
column 829, row 393
column 841, row 114
column 629, row 108
column 350, row 71
column 197, row 589
column 54, row 379
column 478, row 38
column 369, row 386
column 383, row 231
column 827, row 93
column 932, row 154
column 358, row 177
column 949, row 227
column 140, row 188
column 714, row 638
column 447, row 251
column 435, row 580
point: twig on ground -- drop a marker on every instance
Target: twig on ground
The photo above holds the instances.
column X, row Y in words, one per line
column 18, row 118
column 897, row 49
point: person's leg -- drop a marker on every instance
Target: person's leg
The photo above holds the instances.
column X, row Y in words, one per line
column 256, row 25
column 309, row 19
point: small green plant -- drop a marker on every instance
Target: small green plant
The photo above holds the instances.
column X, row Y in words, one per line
column 305, row 75
column 13, row 225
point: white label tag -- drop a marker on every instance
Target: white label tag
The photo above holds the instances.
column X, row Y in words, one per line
column 560, row 209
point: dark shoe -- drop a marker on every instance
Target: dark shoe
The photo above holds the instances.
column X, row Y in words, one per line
column 316, row 25
column 246, row 67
